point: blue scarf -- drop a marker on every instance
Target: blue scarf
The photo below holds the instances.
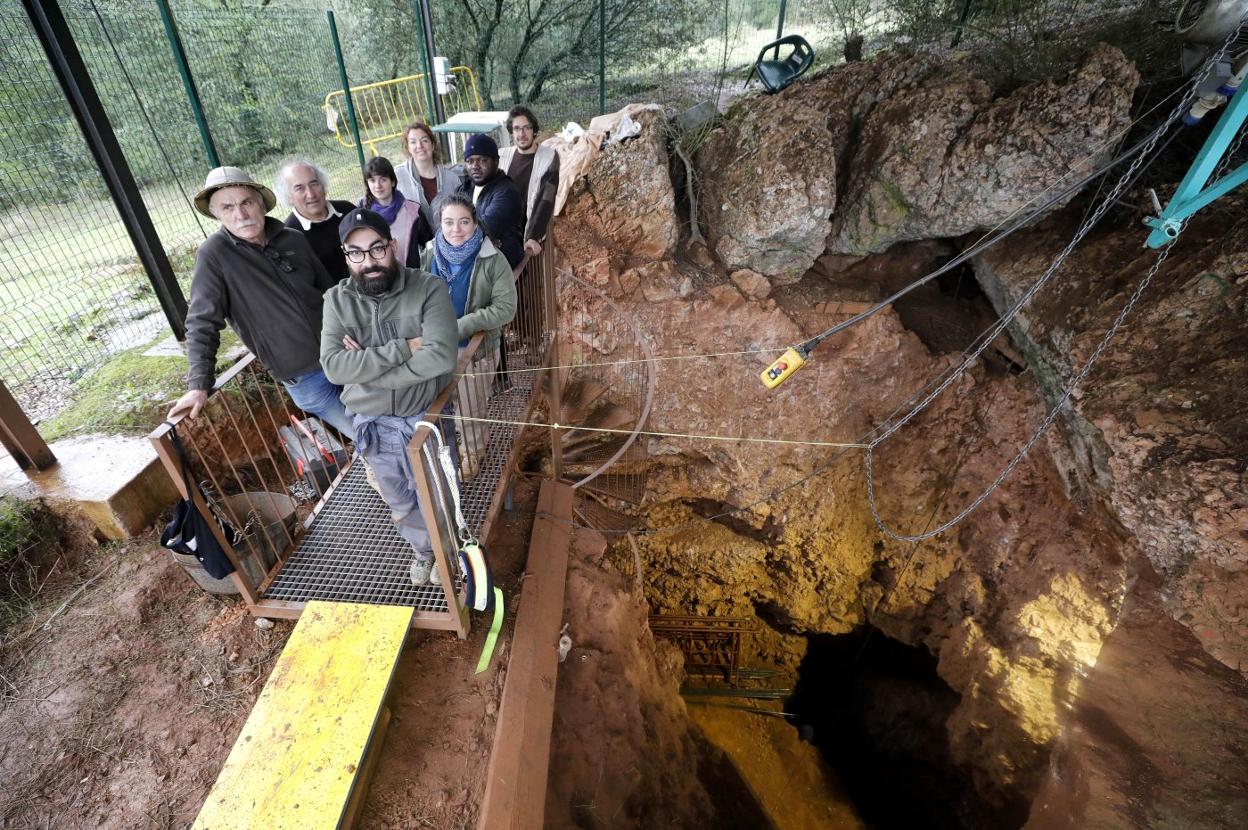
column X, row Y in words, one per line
column 388, row 212
column 449, row 260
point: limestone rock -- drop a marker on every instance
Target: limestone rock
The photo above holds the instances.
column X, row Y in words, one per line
column 751, row 283
column 1159, row 426
column 626, row 199
column 942, row 159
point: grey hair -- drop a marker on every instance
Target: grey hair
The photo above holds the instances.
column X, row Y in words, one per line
column 279, row 181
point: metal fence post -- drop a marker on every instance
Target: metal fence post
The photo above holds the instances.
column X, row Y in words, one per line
column 71, row 73
column 780, row 28
column 602, row 56
column 424, row 21
column 188, row 82
column 346, row 89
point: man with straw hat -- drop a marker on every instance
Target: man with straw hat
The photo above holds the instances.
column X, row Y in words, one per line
column 264, row 280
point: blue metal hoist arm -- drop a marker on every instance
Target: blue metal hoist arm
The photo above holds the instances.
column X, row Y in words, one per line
column 1191, row 194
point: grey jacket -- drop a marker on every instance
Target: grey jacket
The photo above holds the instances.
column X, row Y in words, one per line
column 271, row 296
column 409, row 186
column 386, row 377
column 491, row 295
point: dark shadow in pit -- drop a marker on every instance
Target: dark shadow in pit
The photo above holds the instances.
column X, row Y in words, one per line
column 876, row 710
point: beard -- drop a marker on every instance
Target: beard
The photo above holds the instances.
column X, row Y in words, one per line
column 375, row 280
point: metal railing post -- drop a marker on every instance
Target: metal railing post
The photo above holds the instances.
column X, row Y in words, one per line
column 426, row 29
column 71, row 73
column 779, row 28
column 188, row 81
column 602, row 56
column 19, row 436
column 346, row 89
column 547, row 272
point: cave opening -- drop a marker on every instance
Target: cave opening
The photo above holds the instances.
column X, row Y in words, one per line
column 876, row 710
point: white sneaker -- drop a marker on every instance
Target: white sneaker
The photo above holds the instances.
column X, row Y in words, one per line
column 371, row 477
column 435, row 577
column 420, row 571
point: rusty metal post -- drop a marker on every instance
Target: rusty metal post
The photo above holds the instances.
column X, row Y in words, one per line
column 547, row 273
column 19, row 436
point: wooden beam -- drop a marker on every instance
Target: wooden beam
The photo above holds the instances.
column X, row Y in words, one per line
column 515, row 788
column 19, row 436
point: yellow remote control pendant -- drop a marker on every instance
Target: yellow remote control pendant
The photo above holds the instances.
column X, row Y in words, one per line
column 785, row 365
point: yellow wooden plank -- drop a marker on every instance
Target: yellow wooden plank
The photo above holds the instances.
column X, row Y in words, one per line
column 300, row 752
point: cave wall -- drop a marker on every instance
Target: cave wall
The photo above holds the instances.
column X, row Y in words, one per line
column 1018, row 601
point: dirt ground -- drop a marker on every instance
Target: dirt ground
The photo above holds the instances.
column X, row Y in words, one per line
column 121, row 697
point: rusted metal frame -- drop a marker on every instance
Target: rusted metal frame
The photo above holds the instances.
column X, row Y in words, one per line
column 277, row 473
column 322, row 494
column 239, row 526
column 229, row 411
column 426, row 480
column 163, row 445
column 290, row 610
column 509, row 472
column 515, row 788
column 550, row 305
column 19, row 436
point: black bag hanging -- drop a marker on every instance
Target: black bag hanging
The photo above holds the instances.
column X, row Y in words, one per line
column 189, row 532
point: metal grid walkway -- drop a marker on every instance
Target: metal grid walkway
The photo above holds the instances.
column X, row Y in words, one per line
column 508, row 405
column 352, row 553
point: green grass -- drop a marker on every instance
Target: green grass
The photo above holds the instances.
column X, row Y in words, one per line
column 130, row 393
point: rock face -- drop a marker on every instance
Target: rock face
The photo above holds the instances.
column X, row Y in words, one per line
column 1136, row 504
column 870, row 154
column 627, row 197
column 602, row 769
column 1160, row 429
column 1016, row 612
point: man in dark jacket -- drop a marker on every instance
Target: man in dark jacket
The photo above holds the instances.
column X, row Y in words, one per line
column 500, row 207
column 390, row 338
column 263, row 279
column 304, row 186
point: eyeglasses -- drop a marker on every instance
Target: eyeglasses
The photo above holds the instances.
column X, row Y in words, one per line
column 278, row 260
column 521, row 128
column 377, row 252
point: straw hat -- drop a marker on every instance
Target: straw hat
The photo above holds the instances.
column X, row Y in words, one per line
column 229, row 177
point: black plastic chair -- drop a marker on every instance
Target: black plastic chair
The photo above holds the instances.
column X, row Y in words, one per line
column 777, row 74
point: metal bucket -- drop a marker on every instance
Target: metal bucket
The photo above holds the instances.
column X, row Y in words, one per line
column 266, row 536
column 268, row 533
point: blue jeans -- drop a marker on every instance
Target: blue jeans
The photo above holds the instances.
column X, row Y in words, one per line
column 315, row 395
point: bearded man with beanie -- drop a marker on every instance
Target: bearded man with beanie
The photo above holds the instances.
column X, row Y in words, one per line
column 390, row 338
column 500, row 208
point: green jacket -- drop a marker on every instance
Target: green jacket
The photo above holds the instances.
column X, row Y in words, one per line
column 491, row 295
column 386, row 377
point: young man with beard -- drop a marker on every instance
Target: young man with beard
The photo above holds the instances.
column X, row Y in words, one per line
column 390, row 338
column 535, row 170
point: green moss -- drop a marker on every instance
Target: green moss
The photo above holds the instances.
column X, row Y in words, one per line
column 21, row 527
column 130, row 393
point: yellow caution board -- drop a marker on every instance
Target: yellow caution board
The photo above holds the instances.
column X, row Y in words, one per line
column 302, row 759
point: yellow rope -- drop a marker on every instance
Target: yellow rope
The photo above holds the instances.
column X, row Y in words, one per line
column 734, row 438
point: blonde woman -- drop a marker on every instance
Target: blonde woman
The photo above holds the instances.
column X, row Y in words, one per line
column 421, row 178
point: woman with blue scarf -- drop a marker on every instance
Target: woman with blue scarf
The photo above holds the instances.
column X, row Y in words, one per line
column 483, row 291
column 408, row 227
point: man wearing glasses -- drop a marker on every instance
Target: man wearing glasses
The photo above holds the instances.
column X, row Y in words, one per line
column 390, row 338
column 264, row 279
column 535, row 170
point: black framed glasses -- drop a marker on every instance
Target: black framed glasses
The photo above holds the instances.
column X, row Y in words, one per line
column 377, row 252
column 277, row 259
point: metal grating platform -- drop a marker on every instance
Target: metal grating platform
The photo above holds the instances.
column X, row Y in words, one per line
column 509, row 405
column 352, row 553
